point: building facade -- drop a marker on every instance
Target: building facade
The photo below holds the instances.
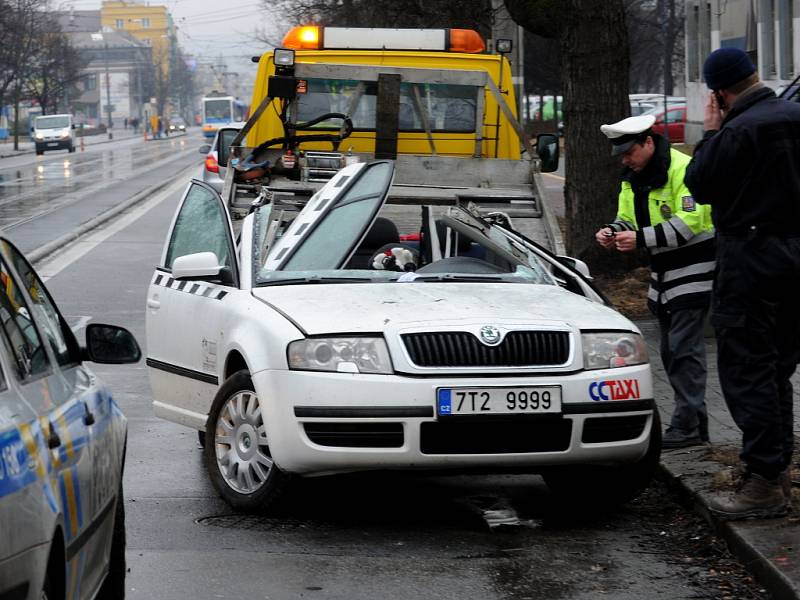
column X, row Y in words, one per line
column 768, row 30
column 151, row 24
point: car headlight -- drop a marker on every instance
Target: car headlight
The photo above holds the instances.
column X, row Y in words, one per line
column 613, row 349
column 39, row 136
column 340, row 354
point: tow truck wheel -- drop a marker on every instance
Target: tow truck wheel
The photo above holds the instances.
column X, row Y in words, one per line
column 606, row 486
column 237, row 451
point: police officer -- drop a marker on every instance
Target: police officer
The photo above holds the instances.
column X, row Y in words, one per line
column 747, row 167
column 657, row 212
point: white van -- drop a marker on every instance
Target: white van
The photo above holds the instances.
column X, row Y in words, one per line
column 53, row 132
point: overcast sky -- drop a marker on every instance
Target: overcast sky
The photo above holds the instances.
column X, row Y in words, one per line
column 209, row 29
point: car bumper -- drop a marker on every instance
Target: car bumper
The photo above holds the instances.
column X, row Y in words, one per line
column 319, row 423
column 22, row 576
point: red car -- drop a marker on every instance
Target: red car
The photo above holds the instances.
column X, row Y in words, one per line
column 674, row 124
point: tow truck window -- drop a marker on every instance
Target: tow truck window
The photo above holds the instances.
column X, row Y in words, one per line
column 19, row 331
column 448, row 108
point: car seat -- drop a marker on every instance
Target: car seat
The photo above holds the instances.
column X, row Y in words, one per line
column 382, row 232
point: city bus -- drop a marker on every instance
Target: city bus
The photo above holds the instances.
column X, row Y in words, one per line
column 222, row 110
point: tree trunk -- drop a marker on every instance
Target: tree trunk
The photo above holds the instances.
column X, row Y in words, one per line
column 594, row 54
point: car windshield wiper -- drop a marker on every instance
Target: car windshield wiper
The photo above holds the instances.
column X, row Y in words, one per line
column 314, row 279
column 460, row 277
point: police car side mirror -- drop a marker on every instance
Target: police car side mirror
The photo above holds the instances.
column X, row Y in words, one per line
column 547, row 149
column 205, row 149
column 110, row 344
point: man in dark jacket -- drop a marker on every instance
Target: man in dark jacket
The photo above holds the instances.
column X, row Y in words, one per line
column 747, row 167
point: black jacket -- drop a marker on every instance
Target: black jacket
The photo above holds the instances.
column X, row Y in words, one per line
column 749, row 170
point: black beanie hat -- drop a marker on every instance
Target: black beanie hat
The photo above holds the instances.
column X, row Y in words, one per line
column 726, row 67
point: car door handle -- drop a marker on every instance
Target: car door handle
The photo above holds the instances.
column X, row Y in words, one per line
column 88, row 418
column 154, row 304
column 53, row 441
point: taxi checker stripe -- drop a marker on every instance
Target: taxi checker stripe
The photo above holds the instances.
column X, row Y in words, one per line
column 196, row 289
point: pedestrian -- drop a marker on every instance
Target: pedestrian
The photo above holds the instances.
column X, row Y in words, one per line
column 656, row 212
column 154, row 125
column 746, row 169
column 125, row 123
column 160, row 127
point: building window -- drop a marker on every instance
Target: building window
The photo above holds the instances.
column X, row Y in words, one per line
column 766, row 20
column 90, row 82
column 146, row 23
column 786, row 38
column 120, row 24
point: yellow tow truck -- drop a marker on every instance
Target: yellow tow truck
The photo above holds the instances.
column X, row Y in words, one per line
column 432, row 100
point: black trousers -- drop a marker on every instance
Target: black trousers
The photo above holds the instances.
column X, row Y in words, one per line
column 756, row 315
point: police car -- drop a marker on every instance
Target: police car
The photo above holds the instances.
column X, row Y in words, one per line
column 359, row 330
column 62, row 447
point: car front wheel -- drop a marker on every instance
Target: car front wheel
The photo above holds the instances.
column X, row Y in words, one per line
column 607, row 486
column 237, row 451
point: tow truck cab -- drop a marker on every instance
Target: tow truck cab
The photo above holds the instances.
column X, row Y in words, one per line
column 440, row 84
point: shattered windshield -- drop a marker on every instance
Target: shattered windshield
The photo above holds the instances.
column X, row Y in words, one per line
column 403, row 243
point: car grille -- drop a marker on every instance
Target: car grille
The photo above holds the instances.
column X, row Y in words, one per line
column 613, row 429
column 356, row 435
column 500, row 437
column 463, row 349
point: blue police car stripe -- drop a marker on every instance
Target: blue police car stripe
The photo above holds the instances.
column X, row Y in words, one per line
column 16, row 470
column 188, row 287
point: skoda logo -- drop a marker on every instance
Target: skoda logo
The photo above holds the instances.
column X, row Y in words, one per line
column 490, row 335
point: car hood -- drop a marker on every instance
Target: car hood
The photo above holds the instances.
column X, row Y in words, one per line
column 374, row 307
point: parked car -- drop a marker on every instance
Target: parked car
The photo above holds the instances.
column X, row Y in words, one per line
column 315, row 342
column 217, row 155
column 643, row 103
column 62, row 447
column 673, row 125
column 177, row 124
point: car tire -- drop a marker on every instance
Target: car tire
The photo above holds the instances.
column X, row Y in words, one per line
column 114, row 585
column 606, row 487
column 71, row 148
column 237, row 454
column 39, row 152
column 201, row 438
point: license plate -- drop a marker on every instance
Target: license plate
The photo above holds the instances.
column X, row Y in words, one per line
column 540, row 399
column 52, row 143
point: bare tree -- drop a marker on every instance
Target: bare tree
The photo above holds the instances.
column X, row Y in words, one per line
column 19, row 22
column 655, row 33
column 594, row 69
column 53, row 69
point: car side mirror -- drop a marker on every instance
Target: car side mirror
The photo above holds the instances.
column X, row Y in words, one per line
column 547, row 149
column 110, row 344
column 576, row 265
column 73, row 126
column 201, row 266
column 205, row 149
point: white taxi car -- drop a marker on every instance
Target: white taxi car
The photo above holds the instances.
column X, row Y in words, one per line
column 317, row 341
column 62, row 448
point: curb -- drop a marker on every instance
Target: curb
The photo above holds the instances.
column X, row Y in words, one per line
column 735, row 534
column 39, row 254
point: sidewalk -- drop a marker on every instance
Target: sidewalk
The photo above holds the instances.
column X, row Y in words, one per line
column 26, row 146
column 770, row 549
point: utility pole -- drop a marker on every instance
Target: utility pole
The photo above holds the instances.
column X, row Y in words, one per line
column 108, row 90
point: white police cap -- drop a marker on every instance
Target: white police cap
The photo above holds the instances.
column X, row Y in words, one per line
column 623, row 134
